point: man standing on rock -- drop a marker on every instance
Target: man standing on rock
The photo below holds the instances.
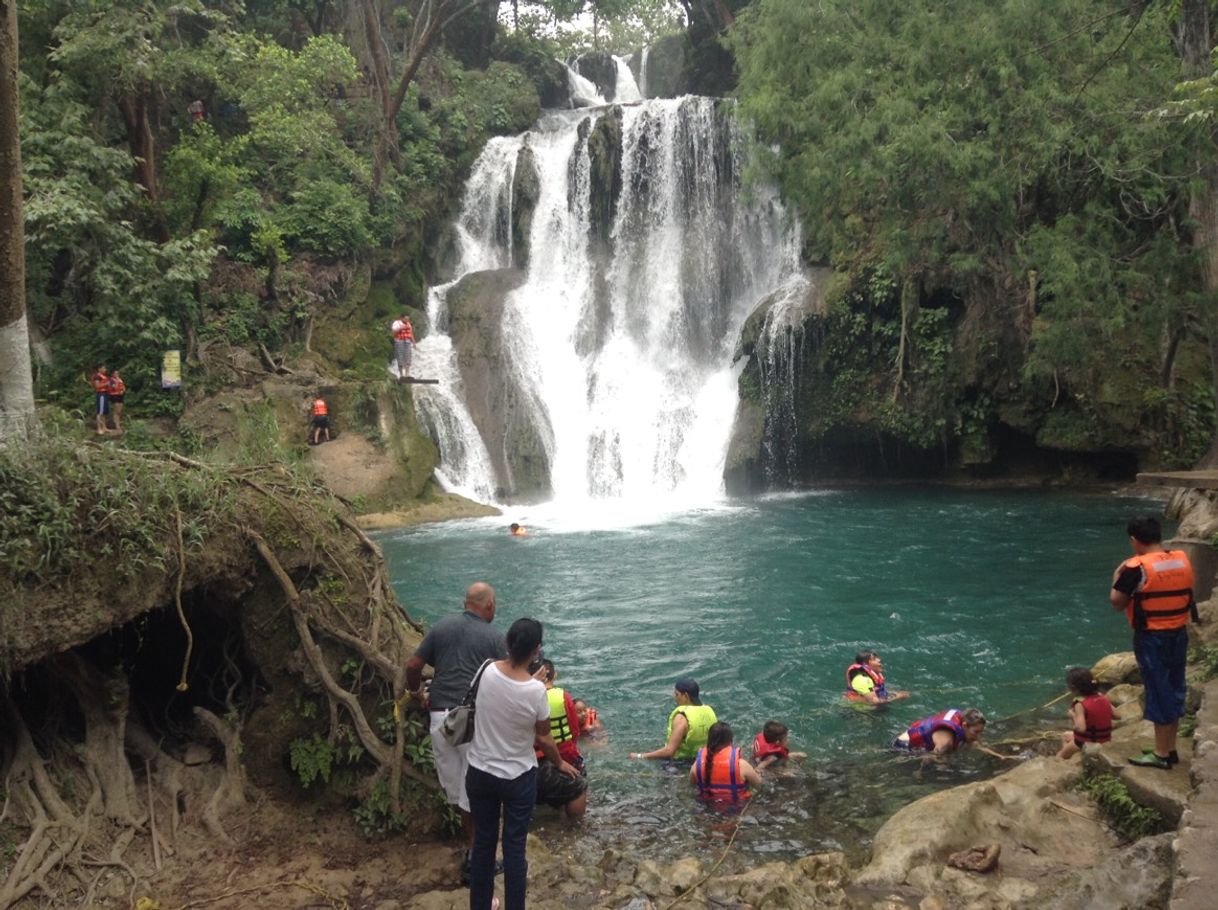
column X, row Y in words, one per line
column 456, row 647
column 1155, row 589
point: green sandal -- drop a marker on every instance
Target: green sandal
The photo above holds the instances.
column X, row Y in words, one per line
column 1150, row 760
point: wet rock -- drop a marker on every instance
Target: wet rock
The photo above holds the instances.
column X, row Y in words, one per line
column 499, row 404
column 1137, row 877
column 1124, row 693
column 1128, row 713
column 526, row 190
column 1031, row 812
column 1117, row 668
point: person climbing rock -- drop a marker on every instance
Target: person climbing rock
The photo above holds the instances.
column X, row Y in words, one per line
column 321, row 419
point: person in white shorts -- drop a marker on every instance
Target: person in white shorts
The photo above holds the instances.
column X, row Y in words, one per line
column 456, row 647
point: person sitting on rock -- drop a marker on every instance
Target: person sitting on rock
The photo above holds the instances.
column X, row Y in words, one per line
column 770, row 746
column 719, row 771
column 688, row 724
column 1090, row 714
column 945, row 732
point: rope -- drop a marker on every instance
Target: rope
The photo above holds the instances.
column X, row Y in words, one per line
column 177, row 599
column 719, row 862
column 334, row 901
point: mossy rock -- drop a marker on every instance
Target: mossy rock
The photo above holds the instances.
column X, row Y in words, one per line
column 526, row 190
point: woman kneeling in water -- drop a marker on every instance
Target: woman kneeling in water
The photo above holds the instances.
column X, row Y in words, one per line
column 719, row 771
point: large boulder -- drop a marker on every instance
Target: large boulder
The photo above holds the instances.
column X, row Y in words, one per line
column 499, row 403
column 1032, row 812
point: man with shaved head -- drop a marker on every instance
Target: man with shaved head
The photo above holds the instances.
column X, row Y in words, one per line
column 456, row 647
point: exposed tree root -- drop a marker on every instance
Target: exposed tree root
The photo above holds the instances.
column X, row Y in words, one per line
column 69, row 786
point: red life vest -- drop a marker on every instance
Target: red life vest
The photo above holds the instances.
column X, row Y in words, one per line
column 921, row 734
column 116, row 386
column 319, row 408
column 1097, row 710
column 405, row 332
column 101, row 383
column 878, row 678
column 720, row 778
column 763, row 749
column 1164, row 599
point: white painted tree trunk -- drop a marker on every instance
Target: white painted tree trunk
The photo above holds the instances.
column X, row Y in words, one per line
column 16, row 389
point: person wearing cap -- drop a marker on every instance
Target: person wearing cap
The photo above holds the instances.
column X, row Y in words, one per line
column 688, row 725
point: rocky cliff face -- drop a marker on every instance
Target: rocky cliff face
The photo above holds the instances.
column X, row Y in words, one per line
column 493, row 392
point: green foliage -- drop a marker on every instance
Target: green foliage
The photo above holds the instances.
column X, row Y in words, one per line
column 65, row 507
column 995, row 152
column 375, row 816
column 1127, row 817
column 1204, row 659
column 312, row 758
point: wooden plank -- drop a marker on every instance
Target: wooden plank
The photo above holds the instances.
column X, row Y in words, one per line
column 1201, row 480
column 415, row 381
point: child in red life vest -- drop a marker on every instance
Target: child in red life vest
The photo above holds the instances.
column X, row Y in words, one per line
column 1090, row 714
column 719, row 771
column 770, row 746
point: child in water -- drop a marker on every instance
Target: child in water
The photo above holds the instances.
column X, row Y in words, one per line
column 589, row 723
column 770, row 746
column 1090, row 714
column 719, row 772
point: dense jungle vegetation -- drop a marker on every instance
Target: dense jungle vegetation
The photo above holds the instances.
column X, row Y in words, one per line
column 1019, row 199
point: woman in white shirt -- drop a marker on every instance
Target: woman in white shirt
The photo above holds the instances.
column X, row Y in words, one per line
column 512, row 720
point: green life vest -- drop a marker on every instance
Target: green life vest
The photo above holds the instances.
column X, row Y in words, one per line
column 560, row 729
column 700, row 718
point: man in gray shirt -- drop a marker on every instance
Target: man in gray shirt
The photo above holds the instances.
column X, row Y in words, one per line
column 456, row 647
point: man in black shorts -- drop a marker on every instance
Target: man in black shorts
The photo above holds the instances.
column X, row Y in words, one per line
column 560, row 791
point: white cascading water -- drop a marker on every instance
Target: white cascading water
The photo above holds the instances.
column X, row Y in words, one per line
column 583, row 91
column 626, row 90
column 643, row 71
column 635, row 393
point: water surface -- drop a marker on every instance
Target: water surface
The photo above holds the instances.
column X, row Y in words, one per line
column 973, row 598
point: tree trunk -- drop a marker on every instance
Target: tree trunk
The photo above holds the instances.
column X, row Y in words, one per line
column 1194, row 43
column 17, row 419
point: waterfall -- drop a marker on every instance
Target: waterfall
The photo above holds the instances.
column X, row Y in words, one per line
column 643, row 72
column 612, row 355
column 626, row 90
column 583, row 91
column 779, row 353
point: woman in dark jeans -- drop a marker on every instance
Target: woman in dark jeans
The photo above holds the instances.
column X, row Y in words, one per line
column 513, row 717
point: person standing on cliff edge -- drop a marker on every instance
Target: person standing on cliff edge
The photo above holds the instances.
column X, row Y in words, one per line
column 403, row 345
column 456, row 647
column 1155, row 589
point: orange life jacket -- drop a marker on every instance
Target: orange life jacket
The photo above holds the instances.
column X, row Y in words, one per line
column 101, row 383
column 720, row 778
column 1164, row 600
column 116, row 386
column 319, row 408
column 763, row 749
column 405, row 333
